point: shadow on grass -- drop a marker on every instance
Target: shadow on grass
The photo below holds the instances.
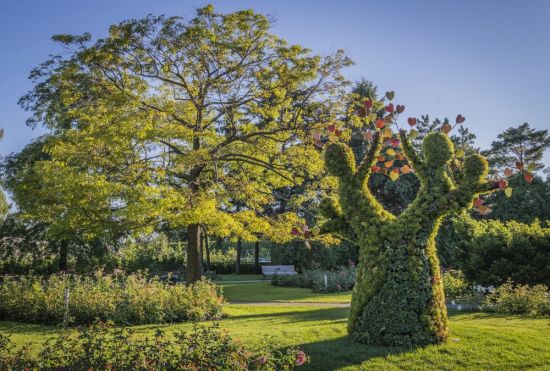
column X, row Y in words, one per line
column 292, row 315
column 342, row 352
column 9, row 327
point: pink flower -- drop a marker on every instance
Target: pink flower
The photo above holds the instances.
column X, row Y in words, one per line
column 262, row 360
column 300, row 358
column 338, row 286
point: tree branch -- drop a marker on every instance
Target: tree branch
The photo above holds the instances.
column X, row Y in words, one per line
column 364, row 170
column 410, row 152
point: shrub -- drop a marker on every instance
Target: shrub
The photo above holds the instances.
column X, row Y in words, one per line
column 101, row 347
column 320, row 256
column 122, row 299
column 340, row 280
column 491, row 252
column 454, row 283
column 520, row 299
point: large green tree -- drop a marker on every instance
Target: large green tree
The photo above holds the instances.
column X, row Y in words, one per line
column 178, row 115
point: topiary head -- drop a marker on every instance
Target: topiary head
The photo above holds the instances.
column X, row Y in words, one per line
column 339, row 160
column 438, row 149
column 476, row 168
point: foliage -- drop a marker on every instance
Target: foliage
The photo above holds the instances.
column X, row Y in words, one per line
column 490, row 252
column 318, row 256
column 102, row 347
column 398, row 298
column 155, row 253
column 24, row 247
column 510, row 298
column 339, row 280
column 131, row 299
column 454, row 283
column 529, row 201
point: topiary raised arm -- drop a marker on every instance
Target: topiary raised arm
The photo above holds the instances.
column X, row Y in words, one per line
column 398, row 297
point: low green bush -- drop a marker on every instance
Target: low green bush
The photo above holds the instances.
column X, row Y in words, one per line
column 454, row 283
column 519, row 299
column 490, row 252
column 339, row 280
column 131, row 299
column 102, row 347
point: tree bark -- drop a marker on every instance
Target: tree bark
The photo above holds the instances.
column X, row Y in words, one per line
column 207, row 250
column 194, row 264
column 257, row 257
column 63, row 254
column 238, row 262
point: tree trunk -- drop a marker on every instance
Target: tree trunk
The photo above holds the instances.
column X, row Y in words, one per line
column 207, row 250
column 63, row 253
column 238, row 262
column 201, row 239
column 257, row 257
column 194, row 264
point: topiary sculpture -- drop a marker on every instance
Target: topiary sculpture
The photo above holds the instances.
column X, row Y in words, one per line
column 398, row 297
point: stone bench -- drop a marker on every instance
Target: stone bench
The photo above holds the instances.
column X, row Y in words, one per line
column 281, row 270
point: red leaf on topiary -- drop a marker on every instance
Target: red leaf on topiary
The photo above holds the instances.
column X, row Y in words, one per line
column 390, row 108
column 460, row 119
column 519, row 165
column 478, row 202
column 411, row 121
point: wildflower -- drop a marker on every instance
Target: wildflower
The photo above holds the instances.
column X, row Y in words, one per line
column 262, row 360
column 300, row 358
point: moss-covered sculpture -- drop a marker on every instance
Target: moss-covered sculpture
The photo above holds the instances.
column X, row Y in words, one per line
column 398, row 297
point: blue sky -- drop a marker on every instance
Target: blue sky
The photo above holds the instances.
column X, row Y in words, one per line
column 489, row 60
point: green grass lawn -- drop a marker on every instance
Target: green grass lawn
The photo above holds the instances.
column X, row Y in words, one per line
column 239, row 277
column 264, row 291
column 477, row 341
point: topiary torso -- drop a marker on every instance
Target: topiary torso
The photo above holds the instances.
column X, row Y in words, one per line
column 398, row 297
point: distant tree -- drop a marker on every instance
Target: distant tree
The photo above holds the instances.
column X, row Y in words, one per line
column 518, row 146
column 74, row 208
column 4, row 207
column 186, row 112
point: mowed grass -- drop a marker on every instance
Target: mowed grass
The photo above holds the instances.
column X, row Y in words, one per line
column 477, row 341
column 264, row 291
